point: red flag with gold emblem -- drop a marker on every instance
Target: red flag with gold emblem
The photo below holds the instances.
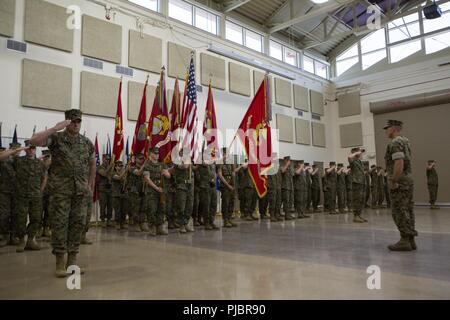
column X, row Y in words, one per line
column 210, row 124
column 118, row 129
column 255, row 134
column 140, row 131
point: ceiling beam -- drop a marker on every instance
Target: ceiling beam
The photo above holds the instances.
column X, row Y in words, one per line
column 234, row 5
column 276, row 12
column 324, row 9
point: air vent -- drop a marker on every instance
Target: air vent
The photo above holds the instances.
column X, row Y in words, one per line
column 16, row 46
column 199, row 88
column 124, row 70
column 300, row 113
column 93, row 63
column 315, row 117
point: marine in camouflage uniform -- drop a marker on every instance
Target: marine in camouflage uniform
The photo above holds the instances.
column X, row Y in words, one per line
column 287, row 187
column 386, row 190
column 240, row 191
column 46, row 160
column 332, row 187
column 308, row 188
column 374, row 186
column 184, row 197
column 300, row 192
column 7, row 190
column 31, row 178
column 358, row 183
column 118, row 195
column 104, row 172
column 169, row 186
column 208, row 194
column 366, row 184
column 155, row 195
column 196, row 215
column 274, row 194
column 433, row 183
column 380, row 185
column 226, row 173
column 326, row 192
column 134, row 193
column 315, row 188
column 348, row 188
column 340, row 188
column 249, row 194
column 71, row 179
column 401, row 184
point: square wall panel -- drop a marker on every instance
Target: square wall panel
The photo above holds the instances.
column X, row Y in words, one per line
column 351, row 135
column 179, row 58
column 46, row 86
column 7, row 17
column 302, row 131
column 144, row 52
column 318, row 134
column 349, row 104
column 316, row 102
column 239, row 79
column 135, row 91
column 101, row 40
column 213, row 68
column 283, row 92
column 301, row 98
column 99, row 94
column 285, row 128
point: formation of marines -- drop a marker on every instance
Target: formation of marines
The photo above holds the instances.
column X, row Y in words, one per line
column 53, row 196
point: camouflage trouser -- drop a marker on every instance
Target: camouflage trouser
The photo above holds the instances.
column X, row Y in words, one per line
column 308, row 198
column 332, row 198
column 433, row 190
column 374, row 198
column 169, row 211
column 348, row 198
column 287, row 198
column 67, row 221
column 184, row 200
column 366, row 195
column 89, row 208
column 32, row 207
column 227, row 197
column 250, row 199
column 274, row 197
column 358, row 198
column 315, row 196
column 387, row 195
column 106, row 208
column 241, row 201
column 380, row 195
column 403, row 210
column 119, row 209
column 263, row 204
column 196, row 214
column 135, row 203
column 6, row 202
column 341, row 198
column 300, row 201
column 45, row 200
column 326, row 199
column 154, row 209
column 208, row 204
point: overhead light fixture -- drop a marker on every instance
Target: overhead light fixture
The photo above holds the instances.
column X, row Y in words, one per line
column 251, row 62
column 319, row 1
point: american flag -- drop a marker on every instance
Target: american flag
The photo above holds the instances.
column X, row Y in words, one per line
column 190, row 119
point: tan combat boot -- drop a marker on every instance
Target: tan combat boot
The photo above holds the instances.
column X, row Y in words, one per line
column 46, row 232
column 412, row 242
column 189, row 229
column 144, row 227
column 21, row 245
column 183, row 229
column 152, row 231
column 227, row 224
column 358, row 219
column 402, row 245
column 60, row 271
column 32, row 244
column 85, row 240
column 160, row 231
column 72, row 261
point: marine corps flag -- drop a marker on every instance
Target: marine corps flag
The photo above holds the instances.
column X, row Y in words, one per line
column 140, row 132
column 210, row 124
column 175, row 119
column 118, row 129
column 254, row 132
column 158, row 124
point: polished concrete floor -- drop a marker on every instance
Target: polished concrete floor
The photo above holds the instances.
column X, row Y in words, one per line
column 324, row 257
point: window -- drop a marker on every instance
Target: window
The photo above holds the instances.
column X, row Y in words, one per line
column 276, row 50
column 205, row 20
column 404, row 28
column 149, row 4
column 180, row 10
column 402, row 51
column 253, row 40
column 234, row 32
column 290, row 56
column 308, row 64
column 437, row 42
column 321, row 69
column 347, row 59
column 373, row 48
